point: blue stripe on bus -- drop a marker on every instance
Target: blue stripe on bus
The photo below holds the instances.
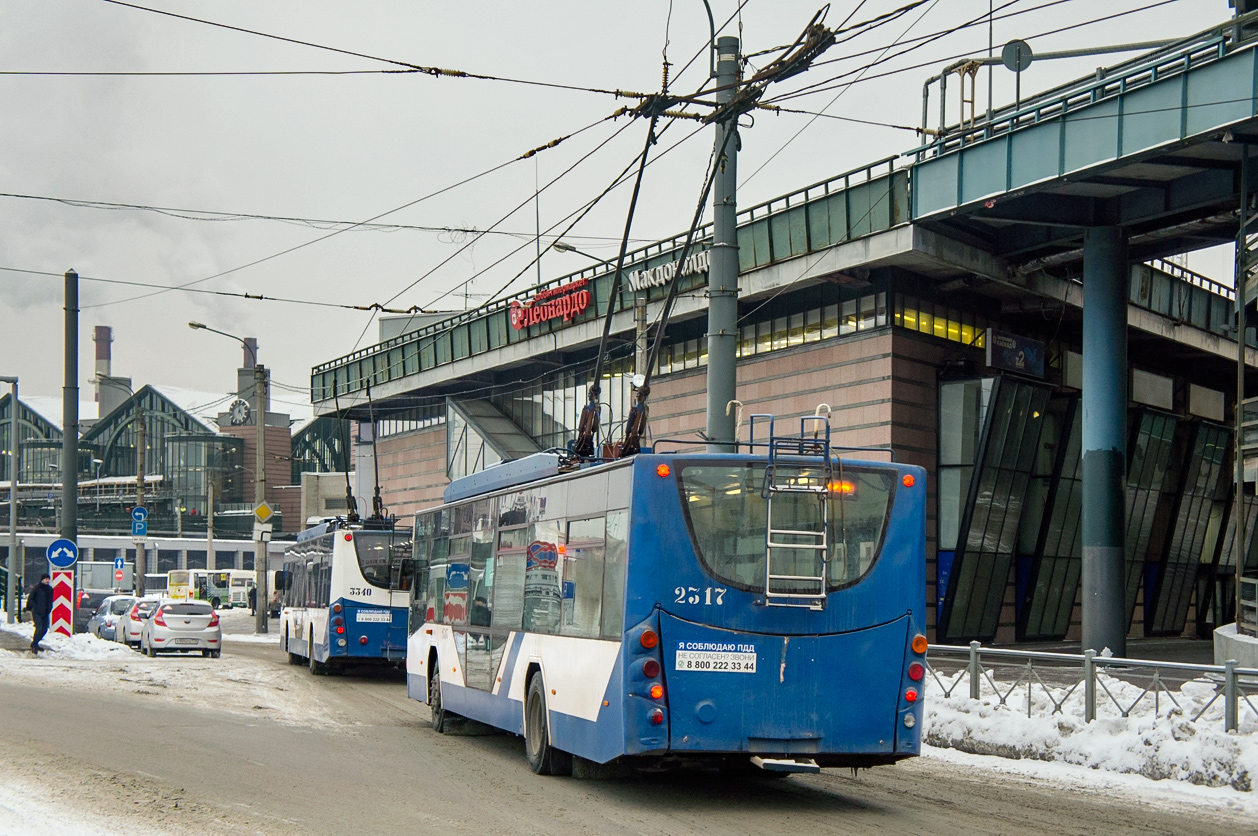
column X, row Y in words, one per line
column 517, row 640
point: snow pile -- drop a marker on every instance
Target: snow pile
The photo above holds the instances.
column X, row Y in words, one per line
column 1162, row 743
column 79, row 647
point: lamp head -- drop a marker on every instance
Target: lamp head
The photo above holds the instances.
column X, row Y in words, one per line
column 196, row 326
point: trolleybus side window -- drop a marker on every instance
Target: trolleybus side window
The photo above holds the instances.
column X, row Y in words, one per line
column 614, row 562
column 727, row 514
column 542, row 592
column 508, row 603
column 582, row 588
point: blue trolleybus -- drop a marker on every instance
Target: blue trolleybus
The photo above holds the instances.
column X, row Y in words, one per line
column 757, row 609
column 345, row 592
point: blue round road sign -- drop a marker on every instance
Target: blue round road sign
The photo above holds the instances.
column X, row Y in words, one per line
column 139, row 513
column 62, row 553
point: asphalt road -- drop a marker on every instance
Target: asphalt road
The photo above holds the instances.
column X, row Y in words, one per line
column 376, row 768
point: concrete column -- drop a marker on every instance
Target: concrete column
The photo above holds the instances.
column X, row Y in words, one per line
column 1106, row 275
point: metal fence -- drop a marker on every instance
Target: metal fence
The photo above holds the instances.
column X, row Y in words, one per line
column 1052, row 682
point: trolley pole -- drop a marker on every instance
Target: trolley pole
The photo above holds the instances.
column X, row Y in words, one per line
column 723, row 269
column 259, row 496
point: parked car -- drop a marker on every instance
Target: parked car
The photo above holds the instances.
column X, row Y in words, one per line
column 85, row 605
column 182, row 626
column 103, row 622
column 127, row 630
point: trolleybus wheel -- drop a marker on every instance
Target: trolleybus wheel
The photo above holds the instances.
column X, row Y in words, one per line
column 440, row 718
column 216, row 603
column 316, row 667
column 544, row 759
column 293, row 658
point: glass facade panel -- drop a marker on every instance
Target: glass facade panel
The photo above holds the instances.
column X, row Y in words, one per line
column 1204, row 455
column 1149, row 444
column 977, row 576
column 1055, row 564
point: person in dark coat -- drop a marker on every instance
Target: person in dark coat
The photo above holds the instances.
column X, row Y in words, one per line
column 253, row 600
column 39, row 603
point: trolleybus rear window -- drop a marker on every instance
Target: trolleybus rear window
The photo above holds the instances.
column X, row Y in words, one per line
column 727, row 514
column 380, row 554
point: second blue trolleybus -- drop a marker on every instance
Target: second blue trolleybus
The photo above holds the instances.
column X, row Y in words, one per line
column 345, row 591
column 761, row 609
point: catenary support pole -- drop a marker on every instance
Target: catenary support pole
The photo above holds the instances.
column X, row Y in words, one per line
column 723, row 268
column 70, row 414
column 259, row 495
column 141, row 444
column 14, row 563
column 1105, row 282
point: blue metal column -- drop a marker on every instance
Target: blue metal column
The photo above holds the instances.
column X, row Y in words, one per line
column 1106, row 275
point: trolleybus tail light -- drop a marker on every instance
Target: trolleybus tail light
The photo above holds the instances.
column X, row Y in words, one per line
column 908, row 480
column 919, row 643
column 349, row 537
column 649, row 638
column 651, row 668
column 336, row 607
column 657, row 691
column 910, row 695
column 656, row 716
column 338, row 621
column 362, row 639
column 213, row 619
column 662, row 470
column 916, row 672
column 909, row 721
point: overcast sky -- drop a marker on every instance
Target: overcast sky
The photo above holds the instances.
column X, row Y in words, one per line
column 353, row 147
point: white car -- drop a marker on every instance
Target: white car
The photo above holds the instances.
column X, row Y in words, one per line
column 104, row 620
column 127, row 629
column 182, row 626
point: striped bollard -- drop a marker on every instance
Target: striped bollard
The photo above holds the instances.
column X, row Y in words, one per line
column 62, row 619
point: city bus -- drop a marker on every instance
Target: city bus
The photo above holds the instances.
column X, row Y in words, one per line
column 214, row 586
column 242, row 580
column 345, row 592
column 758, row 609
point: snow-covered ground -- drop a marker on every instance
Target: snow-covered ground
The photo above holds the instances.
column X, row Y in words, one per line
column 1160, row 759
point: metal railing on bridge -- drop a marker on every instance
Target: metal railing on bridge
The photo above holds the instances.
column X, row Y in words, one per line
column 1062, row 683
column 1173, row 59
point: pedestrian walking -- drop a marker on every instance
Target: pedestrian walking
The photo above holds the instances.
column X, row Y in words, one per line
column 39, row 603
column 253, row 600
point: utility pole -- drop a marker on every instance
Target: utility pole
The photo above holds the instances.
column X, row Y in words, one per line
column 15, row 468
column 723, row 269
column 210, row 560
column 641, row 349
column 70, row 414
column 141, row 441
column 259, row 496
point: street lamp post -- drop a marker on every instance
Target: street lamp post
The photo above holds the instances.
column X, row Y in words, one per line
column 15, row 465
column 259, row 496
column 98, row 463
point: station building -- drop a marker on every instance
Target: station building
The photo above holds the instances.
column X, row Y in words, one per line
column 933, row 306
column 199, row 471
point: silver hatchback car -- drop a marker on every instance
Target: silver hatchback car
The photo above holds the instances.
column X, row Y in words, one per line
column 182, row 626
